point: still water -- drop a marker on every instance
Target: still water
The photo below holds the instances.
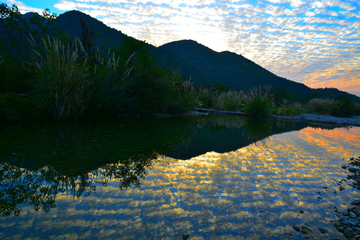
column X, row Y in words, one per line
column 213, row 177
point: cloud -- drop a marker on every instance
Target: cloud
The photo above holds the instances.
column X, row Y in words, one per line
column 23, row 8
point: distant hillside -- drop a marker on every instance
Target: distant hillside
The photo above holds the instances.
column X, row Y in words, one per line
column 199, row 62
column 70, row 21
column 235, row 70
column 227, row 67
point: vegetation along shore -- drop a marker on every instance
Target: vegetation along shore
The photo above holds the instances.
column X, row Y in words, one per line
column 50, row 73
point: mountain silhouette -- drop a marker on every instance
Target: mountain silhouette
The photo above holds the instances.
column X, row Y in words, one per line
column 227, row 67
column 198, row 62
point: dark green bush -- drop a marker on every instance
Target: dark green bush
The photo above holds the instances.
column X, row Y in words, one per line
column 320, row 105
column 259, row 101
column 205, row 98
column 343, row 108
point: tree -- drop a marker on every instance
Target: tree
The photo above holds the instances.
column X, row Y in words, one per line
column 86, row 37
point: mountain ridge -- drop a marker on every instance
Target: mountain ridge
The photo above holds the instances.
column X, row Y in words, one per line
column 198, row 62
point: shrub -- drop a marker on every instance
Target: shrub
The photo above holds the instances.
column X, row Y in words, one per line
column 357, row 109
column 229, row 101
column 60, row 86
column 321, row 106
column 181, row 96
column 205, row 98
column 337, row 108
column 258, row 101
column 343, row 108
column 108, row 88
column 289, row 109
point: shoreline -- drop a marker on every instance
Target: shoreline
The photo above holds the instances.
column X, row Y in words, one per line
column 354, row 121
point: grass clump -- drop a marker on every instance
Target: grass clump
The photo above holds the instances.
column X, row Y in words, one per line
column 206, row 98
column 337, row 108
column 61, row 86
column 229, row 101
column 289, row 109
column 320, row 106
column 344, row 108
column 258, row 101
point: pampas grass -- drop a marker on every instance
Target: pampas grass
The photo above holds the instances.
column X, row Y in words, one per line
column 60, row 85
column 229, row 101
column 321, row 106
column 287, row 108
column 259, row 101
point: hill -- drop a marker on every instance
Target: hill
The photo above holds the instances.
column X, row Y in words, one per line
column 70, row 21
column 227, row 67
column 199, row 62
column 236, row 71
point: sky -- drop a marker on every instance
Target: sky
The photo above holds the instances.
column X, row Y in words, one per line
column 315, row 42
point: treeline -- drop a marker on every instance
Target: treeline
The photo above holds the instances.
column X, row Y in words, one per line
column 45, row 74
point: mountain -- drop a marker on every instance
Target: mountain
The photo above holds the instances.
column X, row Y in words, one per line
column 70, row 21
column 227, row 67
column 235, row 71
column 197, row 61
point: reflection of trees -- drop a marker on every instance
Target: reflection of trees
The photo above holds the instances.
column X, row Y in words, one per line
column 23, row 186
column 220, row 122
column 40, row 187
column 127, row 173
column 258, row 130
column 253, row 129
column 37, row 162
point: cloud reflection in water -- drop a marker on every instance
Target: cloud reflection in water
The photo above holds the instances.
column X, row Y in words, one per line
column 253, row 192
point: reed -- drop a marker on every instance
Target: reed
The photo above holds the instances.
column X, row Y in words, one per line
column 229, row 101
column 287, row 108
column 258, row 101
column 60, row 87
column 108, row 78
column 205, row 98
column 321, row 106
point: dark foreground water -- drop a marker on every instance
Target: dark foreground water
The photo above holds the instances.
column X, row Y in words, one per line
column 213, row 177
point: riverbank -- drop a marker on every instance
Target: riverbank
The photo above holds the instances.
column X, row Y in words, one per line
column 354, row 121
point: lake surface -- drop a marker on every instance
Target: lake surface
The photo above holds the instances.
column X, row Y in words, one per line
column 213, row 177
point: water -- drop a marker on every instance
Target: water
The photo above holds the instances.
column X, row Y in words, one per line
column 213, row 177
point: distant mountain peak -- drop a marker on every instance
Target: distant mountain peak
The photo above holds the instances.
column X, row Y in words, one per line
column 29, row 15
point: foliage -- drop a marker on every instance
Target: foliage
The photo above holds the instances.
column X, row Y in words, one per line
column 258, row 101
column 15, row 29
column 69, row 80
column 320, row 105
column 86, row 37
column 229, row 101
column 65, row 80
column 217, row 87
column 108, row 88
column 205, row 98
column 281, row 93
column 343, row 108
column 61, row 86
column 14, row 47
column 338, row 108
column 287, row 108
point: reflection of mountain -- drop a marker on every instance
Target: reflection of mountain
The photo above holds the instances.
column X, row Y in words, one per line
column 39, row 162
column 226, row 133
column 75, row 149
